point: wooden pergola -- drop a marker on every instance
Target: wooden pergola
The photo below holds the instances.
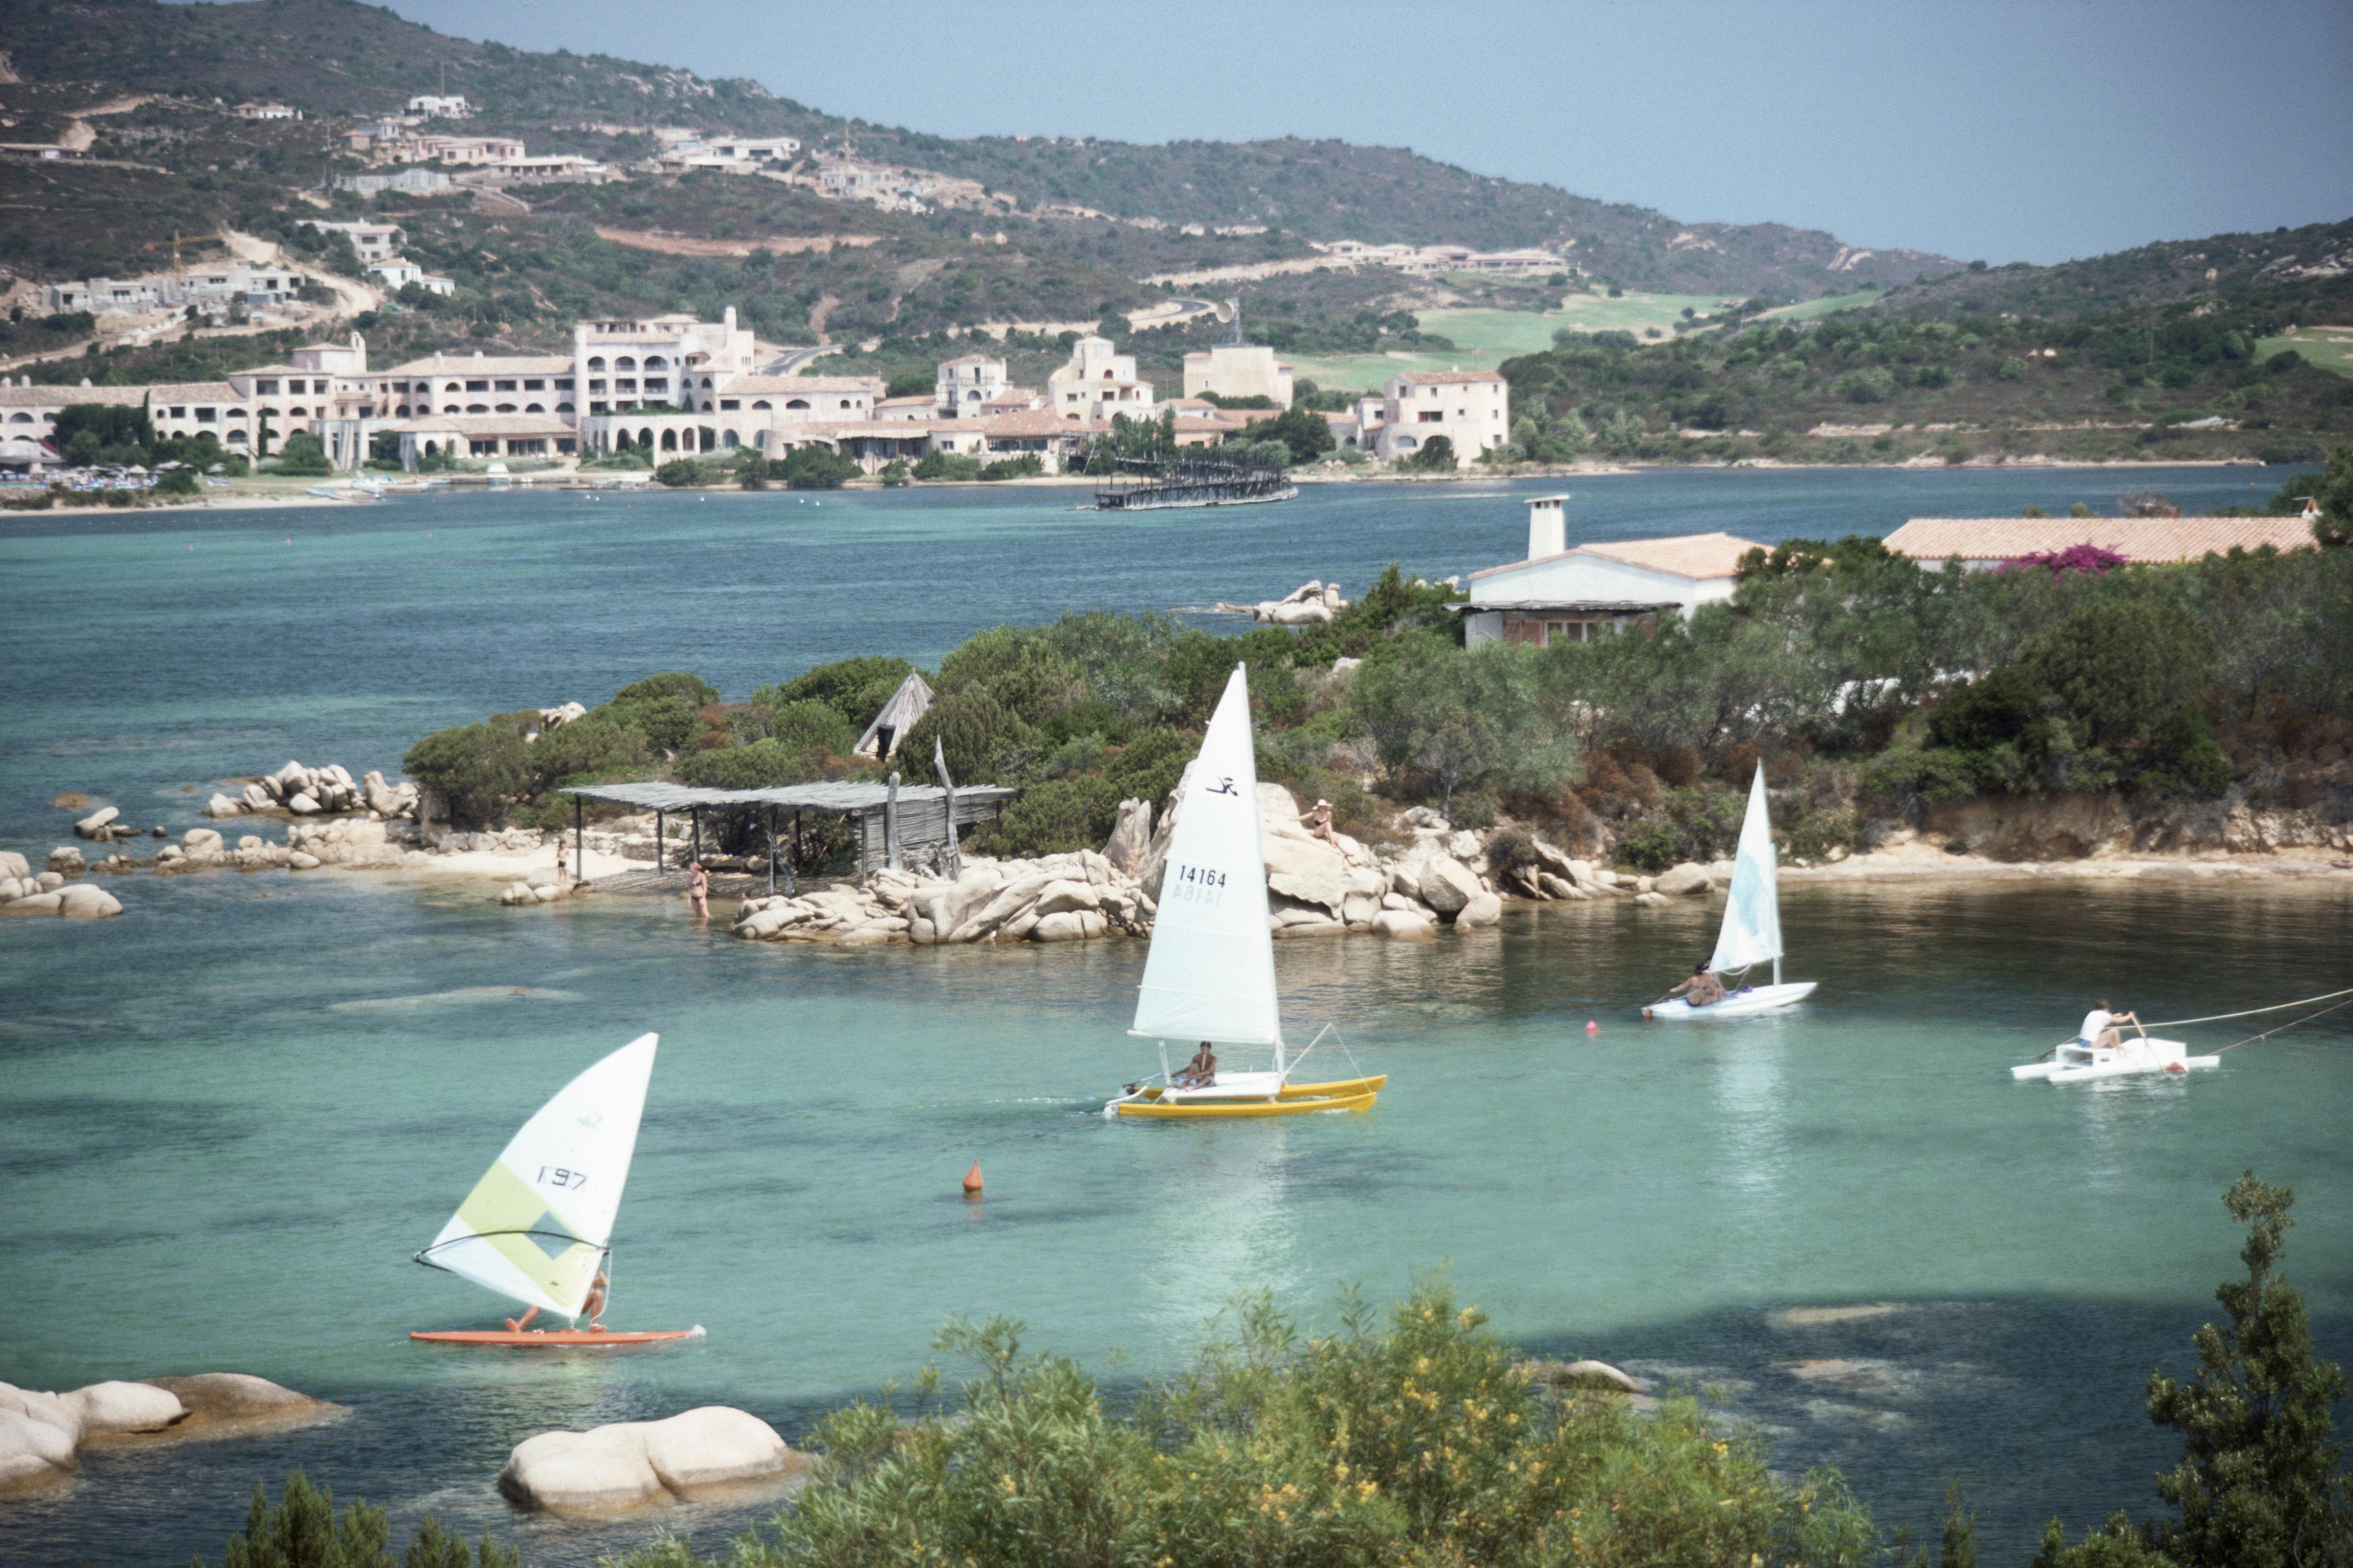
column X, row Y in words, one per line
column 891, row 817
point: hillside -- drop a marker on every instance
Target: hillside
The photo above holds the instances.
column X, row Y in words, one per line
column 338, row 57
column 2312, row 266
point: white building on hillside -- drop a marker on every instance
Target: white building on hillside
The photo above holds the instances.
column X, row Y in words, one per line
column 371, row 241
column 968, row 382
column 674, row 360
column 1471, row 409
column 1595, row 590
column 1238, row 370
column 1097, row 382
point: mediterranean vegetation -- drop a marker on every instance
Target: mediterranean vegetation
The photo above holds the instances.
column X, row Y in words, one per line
column 1416, row 1436
column 1868, row 687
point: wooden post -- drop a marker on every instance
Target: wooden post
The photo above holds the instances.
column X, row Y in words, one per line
column 657, row 839
column 771, row 849
column 694, row 819
column 579, row 845
column 947, row 785
column 891, row 824
column 792, row 869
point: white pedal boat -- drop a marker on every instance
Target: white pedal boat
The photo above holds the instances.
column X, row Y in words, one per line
column 1740, row 1004
column 2076, row 1062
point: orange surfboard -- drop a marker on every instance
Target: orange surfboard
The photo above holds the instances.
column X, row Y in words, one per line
column 556, row 1338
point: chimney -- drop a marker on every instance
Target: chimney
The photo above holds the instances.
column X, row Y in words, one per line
column 1548, row 526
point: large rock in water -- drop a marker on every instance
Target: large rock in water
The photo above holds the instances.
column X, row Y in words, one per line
column 66, row 860
column 221, row 1404
column 1482, row 909
column 32, row 1453
column 85, row 900
column 1447, row 884
column 95, row 823
column 1683, row 880
column 13, row 864
column 627, row 1465
column 117, row 1407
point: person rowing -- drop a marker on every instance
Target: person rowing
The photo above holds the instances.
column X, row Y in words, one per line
column 2101, row 1031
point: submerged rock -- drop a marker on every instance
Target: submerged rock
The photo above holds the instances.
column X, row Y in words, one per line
column 231, row 1404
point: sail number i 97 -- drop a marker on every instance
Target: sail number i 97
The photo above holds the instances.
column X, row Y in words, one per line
column 557, row 1175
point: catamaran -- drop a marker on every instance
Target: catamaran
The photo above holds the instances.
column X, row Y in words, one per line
column 1752, row 927
column 2075, row 1061
column 558, row 1181
column 1209, row 975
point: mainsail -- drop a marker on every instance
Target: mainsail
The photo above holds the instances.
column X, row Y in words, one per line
column 1752, row 919
column 535, row 1226
column 1211, row 972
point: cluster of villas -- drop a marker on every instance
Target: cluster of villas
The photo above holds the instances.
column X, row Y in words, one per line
column 670, row 385
column 1429, row 260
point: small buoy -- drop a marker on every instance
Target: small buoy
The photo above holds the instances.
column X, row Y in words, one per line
column 972, row 1181
column 2169, row 1067
column 1592, row 1027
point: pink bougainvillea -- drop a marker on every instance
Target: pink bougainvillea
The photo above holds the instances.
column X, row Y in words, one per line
column 2059, row 562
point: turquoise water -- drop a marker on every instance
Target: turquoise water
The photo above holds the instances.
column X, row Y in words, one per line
column 228, row 1117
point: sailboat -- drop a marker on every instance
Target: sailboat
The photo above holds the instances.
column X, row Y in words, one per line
column 1752, row 927
column 1209, row 975
column 538, row 1227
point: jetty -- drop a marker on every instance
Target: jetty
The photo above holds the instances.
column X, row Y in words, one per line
column 1145, row 484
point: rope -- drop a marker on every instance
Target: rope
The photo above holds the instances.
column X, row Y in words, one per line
column 2280, row 1007
column 2290, row 1023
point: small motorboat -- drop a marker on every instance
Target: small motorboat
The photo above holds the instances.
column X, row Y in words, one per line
column 2076, row 1062
column 1752, row 927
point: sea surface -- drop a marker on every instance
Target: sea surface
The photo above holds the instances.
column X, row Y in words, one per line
column 228, row 1117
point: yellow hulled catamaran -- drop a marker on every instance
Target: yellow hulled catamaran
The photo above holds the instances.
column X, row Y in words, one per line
column 1210, row 977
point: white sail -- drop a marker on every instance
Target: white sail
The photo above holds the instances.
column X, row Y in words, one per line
column 535, row 1226
column 1211, row 972
column 1752, row 918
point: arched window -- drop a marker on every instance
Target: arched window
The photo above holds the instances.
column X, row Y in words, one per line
column 534, row 408
column 625, row 362
column 727, row 440
column 669, row 441
column 478, row 408
column 656, row 362
column 452, row 386
column 1408, row 442
column 596, row 363
column 645, row 438
column 20, row 419
column 401, row 412
column 845, row 402
column 762, row 403
column 506, row 408
column 562, row 407
column 1106, row 375
column 431, row 448
column 296, row 414
column 801, row 402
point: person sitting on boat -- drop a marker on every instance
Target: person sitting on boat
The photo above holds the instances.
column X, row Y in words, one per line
column 1703, row 988
column 1201, row 1072
column 2100, row 1032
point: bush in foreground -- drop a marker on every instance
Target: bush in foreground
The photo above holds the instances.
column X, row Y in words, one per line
column 1412, row 1441
column 303, row 1530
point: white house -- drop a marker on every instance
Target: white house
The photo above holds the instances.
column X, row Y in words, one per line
column 1470, row 408
column 673, row 358
column 435, row 106
column 1097, row 382
column 371, row 241
column 969, row 383
column 1595, row 589
column 1238, row 370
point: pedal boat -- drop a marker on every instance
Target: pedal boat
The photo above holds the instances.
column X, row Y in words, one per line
column 2076, row 1062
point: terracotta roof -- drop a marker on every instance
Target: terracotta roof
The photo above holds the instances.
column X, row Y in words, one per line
column 1443, row 377
column 1040, row 422
column 195, row 392
column 1698, row 556
column 40, row 396
column 2143, row 539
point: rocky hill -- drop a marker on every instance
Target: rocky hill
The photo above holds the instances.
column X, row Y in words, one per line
column 338, row 57
column 2314, row 263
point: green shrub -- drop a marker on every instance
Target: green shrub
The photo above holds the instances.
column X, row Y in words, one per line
column 1054, row 816
column 814, row 467
column 302, row 1532
column 855, row 688
column 809, row 722
column 2120, row 668
column 948, row 466
column 476, row 768
column 894, row 474
column 178, row 482
column 303, row 457
column 2184, row 746
column 2006, row 705
column 1409, row 1441
column 663, row 707
column 584, row 747
column 1435, row 456
column 1027, row 465
column 973, row 729
column 764, row 764
column 1148, row 767
column 683, row 471
column 1020, row 668
column 1901, row 774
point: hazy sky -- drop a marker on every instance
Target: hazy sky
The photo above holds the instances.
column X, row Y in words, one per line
column 2001, row 130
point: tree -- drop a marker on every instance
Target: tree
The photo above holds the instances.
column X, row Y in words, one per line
column 2121, row 667
column 102, row 430
column 1307, row 436
column 476, row 768
column 815, row 467
column 303, row 1532
column 1434, row 456
column 304, row 458
column 2262, row 1483
column 973, row 729
column 855, row 688
column 911, row 383
column 2332, row 489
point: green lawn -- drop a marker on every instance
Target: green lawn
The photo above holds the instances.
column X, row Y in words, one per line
column 1486, row 339
column 2330, row 348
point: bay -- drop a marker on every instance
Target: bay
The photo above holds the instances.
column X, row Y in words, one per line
column 228, row 1117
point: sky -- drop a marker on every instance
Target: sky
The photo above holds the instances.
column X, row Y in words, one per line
column 1977, row 128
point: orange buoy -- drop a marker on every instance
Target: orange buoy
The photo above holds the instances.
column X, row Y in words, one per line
column 1592, row 1027
column 972, row 1181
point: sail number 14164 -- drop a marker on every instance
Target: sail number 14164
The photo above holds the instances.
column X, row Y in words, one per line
column 1196, row 884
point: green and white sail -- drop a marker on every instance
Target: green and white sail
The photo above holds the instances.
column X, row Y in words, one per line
column 535, row 1227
